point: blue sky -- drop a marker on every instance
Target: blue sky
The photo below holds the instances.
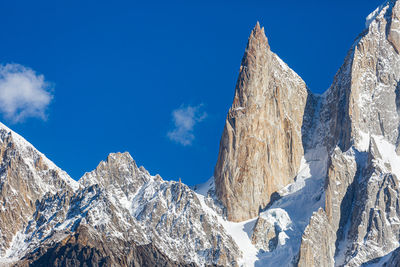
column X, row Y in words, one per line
column 154, row 78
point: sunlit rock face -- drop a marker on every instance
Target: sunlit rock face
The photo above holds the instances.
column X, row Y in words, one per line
column 261, row 145
column 393, row 29
column 317, row 247
column 25, row 176
column 116, row 215
column 301, row 179
column 361, row 114
column 364, row 97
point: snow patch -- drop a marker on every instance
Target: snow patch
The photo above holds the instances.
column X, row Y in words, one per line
column 240, row 232
column 204, row 188
column 283, row 65
column 294, row 209
column 25, row 146
column 372, row 16
column 279, row 218
column 390, row 161
column 362, row 144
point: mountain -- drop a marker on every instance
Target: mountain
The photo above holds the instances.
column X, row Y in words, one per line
column 118, row 214
column 360, row 116
column 301, row 179
column 261, row 146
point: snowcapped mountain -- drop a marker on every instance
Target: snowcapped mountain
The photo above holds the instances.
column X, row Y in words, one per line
column 301, row 179
column 119, row 205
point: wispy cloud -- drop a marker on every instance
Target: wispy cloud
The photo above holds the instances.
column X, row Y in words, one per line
column 23, row 93
column 184, row 119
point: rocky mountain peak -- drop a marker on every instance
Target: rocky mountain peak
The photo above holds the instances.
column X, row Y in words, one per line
column 394, row 26
column 118, row 171
column 366, row 87
column 255, row 58
column 301, row 179
column 257, row 39
column 361, row 190
column 26, row 175
column 261, row 146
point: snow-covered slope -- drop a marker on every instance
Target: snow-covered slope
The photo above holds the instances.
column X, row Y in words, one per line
column 360, row 118
column 127, row 205
column 338, row 205
column 25, row 176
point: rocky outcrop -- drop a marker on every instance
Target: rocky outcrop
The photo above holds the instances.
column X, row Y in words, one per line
column 374, row 224
column 261, row 145
column 317, row 246
column 121, row 209
column 265, row 235
column 340, row 189
column 361, row 113
column 326, row 227
column 317, row 177
column 362, row 208
column 364, row 97
column 85, row 248
column 25, row 176
column 269, row 230
column 394, row 27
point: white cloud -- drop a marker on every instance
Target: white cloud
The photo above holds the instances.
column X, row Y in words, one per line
column 23, row 93
column 184, row 119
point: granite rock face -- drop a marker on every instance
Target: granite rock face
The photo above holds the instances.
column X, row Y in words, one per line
column 25, row 176
column 269, row 230
column 364, row 97
column 261, row 145
column 375, row 215
column 340, row 189
column 86, row 248
column 317, row 247
column 117, row 215
column 301, row 179
column 361, row 113
column 394, row 27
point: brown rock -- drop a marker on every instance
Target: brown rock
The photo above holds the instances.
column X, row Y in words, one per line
column 394, row 27
column 261, row 146
column 318, row 243
column 264, row 235
column 85, row 248
column 25, row 177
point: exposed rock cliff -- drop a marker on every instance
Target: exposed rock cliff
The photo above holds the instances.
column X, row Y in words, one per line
column 317, row 247
column 123, row 209
column 364, row 97
column 261, row 145
column 85, row 248
column 301, row 179
column 361, row 113
column 25, row 176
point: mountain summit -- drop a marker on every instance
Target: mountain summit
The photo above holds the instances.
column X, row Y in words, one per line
column 261, row 146
column 301, row 179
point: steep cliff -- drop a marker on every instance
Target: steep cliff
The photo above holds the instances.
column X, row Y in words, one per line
column 118, row 210
column 25, row 176
column 261, row 145
column 361, row 114
column 301, row 179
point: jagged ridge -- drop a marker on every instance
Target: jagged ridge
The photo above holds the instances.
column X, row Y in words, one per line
column 302, row 175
